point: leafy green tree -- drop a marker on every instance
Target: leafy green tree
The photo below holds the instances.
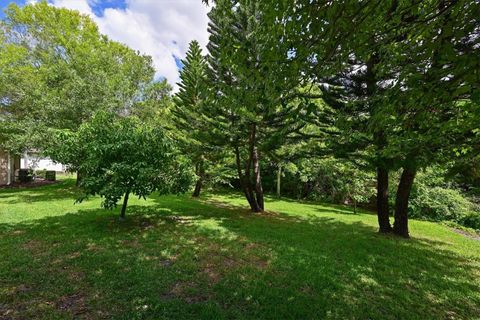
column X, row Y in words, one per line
column 154, row 104
column 420, row 62
column 356, row 96
column 346, row 63
column 58, row 70
column 123, row 156
column 435, row 100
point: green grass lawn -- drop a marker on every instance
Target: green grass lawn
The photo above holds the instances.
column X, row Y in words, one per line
column 178, row 258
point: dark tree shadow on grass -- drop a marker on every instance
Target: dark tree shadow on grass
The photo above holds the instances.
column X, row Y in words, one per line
column 183, row 258
column 61, row 190
column 316, row 205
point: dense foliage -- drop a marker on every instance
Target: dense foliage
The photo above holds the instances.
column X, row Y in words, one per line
column 434, row 197
column 356, row 102
column 57, row 70
column 399, row 76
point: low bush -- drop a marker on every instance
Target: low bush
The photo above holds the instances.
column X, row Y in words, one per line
column 435, row 198
column 439, row 203
column 471, row 220
column 40, row 173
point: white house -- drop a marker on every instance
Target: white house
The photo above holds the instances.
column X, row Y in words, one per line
column 32, row 160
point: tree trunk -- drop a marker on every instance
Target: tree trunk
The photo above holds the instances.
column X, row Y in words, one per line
column 254, row 206
column 400, row 225
column 252, row 160
column 253, row 194
column 201, row 175
column 307, row 188
column 245, row 184
column 252, row 157
column 382, row 201
column 279, row 179
column 198, row 187
column 79, row 179
column 258, row 179
column 124, row 206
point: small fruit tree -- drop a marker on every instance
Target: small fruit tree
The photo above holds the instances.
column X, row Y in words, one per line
column 120, row 156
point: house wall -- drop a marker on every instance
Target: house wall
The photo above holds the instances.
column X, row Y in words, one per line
column 4, row 166
column 33, row 161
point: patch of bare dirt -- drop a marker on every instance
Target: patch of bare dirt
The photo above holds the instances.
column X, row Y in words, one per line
column 471, row 235
column 246, row 212
column 22, row 288
column 76, row 276
column 74, row 255
column 251, row 245
column 210, row 270
column 261, row 263
column 147, row 224
column 6, row 313
column 183, row 290
column 178, row 219
column 33, row 245
column 179, row 288
column 268, row 213
column 73, row 304
column 167, row 262
column 130, row 243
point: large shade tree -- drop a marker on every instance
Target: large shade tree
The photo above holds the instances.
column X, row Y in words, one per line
column 434, row 102
column 409, row 76
column 57, row 70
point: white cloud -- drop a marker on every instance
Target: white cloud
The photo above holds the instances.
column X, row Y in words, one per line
column 79, row 5
column 159, row 28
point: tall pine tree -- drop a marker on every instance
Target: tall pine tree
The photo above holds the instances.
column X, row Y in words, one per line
column 188, row 114
column 250, row 78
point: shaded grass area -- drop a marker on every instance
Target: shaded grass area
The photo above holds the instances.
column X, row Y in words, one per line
column 179, row 258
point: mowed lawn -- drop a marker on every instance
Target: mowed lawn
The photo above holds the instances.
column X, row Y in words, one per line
column 179, row 258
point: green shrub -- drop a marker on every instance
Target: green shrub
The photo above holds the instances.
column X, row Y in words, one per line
column 471, row 220
column 439, row 203
column 40, row 173
column 436, row 198
column 329, row 180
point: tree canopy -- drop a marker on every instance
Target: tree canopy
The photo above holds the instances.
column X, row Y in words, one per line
column 58, row 70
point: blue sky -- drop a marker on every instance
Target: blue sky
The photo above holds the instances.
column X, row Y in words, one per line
column 97, row 6
column 5, row 5
column 159, row 28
